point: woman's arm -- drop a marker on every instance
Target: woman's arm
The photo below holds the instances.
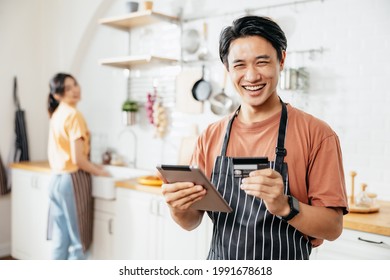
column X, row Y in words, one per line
column 81, row 160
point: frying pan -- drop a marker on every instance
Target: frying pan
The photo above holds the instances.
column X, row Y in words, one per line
column 202, row 89
column 221, row 104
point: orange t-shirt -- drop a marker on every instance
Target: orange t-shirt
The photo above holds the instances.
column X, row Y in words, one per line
column 315, row 170
column 67, row 124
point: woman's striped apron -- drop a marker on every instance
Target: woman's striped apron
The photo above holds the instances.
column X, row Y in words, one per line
column 250, row 231
column 82, row 188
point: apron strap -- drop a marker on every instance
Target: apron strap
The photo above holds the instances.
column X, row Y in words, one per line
column 280, row 151
column 227, row 134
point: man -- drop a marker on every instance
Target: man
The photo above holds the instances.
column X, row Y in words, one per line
column 279, row 212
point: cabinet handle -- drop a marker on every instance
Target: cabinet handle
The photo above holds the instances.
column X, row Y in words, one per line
column 161, row 208
column 371, row 241
column 34, row 182
column 110, row 221
column 153, row 207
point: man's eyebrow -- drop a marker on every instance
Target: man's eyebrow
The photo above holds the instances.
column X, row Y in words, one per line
column 263, row 56
column 238, row 60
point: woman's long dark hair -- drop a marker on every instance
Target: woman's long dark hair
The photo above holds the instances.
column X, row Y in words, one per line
column 57, row 86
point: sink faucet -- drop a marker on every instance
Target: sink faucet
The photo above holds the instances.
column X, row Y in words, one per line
column 132, row 160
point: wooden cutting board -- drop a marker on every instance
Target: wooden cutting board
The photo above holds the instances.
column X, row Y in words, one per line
column 185, row 102
column 357, row 209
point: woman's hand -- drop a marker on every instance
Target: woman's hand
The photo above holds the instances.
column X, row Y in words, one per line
column 101, row 171
column 267, row 184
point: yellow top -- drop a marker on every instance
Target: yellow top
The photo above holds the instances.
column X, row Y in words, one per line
column 67, row 124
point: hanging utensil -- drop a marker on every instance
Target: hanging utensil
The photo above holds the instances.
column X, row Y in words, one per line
column 204, row 51
column 221, row 104
column 190, row 41
column 202, row 89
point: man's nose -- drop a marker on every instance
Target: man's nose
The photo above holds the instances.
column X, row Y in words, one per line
column 252, row 74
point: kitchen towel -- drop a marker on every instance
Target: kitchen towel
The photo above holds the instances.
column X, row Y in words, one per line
column 21, row 143
column 19, row 147
column 3, row 179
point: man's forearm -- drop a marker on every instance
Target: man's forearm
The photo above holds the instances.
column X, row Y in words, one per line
column 319, row 222
column 188, row 219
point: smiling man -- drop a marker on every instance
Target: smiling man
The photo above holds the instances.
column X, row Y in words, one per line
column 280, row 212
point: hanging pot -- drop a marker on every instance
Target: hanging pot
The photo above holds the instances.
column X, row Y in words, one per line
column 190, row 41
column 221, row 104
column 202, row 89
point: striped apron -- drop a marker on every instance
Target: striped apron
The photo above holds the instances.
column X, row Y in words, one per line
column 250, row 231
column 82, row 188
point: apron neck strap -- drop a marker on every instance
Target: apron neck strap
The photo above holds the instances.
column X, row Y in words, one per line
column 280, row 150
column 227, row 134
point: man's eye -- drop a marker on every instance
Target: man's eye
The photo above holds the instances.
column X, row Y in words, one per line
column 238, row 65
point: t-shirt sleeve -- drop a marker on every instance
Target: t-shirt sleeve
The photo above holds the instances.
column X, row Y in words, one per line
column 326, row 175
column 76, row 127
column 197, row 157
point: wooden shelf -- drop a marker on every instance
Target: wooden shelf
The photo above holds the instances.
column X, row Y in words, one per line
column 132, row 60
column 140, row 18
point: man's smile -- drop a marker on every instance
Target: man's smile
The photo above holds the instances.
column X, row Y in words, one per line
column 253, row 87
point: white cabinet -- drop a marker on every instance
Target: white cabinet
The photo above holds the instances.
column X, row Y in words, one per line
column 354, row 245
column 102, row 247
column 29, row 213
column 145, row 230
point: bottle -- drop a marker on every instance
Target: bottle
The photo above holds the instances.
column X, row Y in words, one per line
column 362, row 199
column 106, row 157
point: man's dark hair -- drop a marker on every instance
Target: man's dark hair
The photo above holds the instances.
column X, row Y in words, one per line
column 252, row 26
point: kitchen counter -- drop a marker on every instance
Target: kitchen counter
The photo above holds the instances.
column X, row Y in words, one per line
column 134, row 185
column 377, row 223
column 38, row 166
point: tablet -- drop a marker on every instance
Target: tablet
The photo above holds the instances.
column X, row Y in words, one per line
column 212, row 201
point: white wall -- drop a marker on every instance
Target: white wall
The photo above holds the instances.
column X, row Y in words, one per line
column 347, row 89
column 20, row 52
column 348, row 80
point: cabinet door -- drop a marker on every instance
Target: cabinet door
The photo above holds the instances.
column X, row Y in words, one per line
column 355, row 245
column 103, row 236
column 135, row 226
column 29, row 212
column 176, row 243
column 102, row 247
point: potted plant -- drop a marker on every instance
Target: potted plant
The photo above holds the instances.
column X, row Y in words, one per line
column 129, row 110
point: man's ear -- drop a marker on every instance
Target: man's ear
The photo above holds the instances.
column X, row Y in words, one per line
column 281, row 63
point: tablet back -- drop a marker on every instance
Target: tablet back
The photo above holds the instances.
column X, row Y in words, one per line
column 213, row 200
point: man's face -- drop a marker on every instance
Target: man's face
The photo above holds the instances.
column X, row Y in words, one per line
column 254, row 69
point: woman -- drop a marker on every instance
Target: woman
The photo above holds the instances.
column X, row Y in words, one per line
column 70, row 214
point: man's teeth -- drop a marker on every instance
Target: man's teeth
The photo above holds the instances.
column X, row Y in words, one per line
column 254, row 88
